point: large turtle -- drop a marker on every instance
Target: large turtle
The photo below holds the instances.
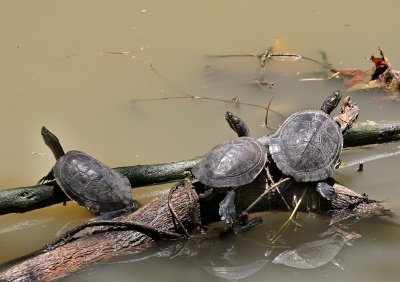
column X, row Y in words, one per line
column 308, row 144
column 86, row 180
column 232, row 163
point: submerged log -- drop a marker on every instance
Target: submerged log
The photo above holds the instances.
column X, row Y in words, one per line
column 23, row 199
column 103, row 244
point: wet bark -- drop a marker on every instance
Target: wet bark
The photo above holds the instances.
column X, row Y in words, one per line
column 103, row 244
column 23, row 199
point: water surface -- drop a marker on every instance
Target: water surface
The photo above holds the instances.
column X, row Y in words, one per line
column 79, row 68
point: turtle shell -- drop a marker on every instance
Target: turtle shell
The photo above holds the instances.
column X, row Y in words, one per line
column 234, row 162
column 307, row 146
column 92, row 184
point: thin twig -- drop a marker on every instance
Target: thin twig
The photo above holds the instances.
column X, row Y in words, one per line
column 188, row 96
column 265, row 193
column 283, row 199
column 269, row 177
column 319, row 78
column 179, row 90
column 265, row 56
column 172, row 210
column 232, row 55
column 207, row 98
column 265, row 124
column 176, row 87
column 277, row 235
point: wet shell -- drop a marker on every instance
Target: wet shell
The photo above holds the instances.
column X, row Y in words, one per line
column 307, row 146
column 234, row 162
column 92, row 184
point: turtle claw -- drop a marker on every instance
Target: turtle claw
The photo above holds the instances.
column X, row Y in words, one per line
column 325, row 190
column 227, row 208
column 205, row 194
column 46, row 178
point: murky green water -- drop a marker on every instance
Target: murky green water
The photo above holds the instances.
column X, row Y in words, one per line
column 59, row 69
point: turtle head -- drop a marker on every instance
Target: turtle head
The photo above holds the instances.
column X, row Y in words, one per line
column 52, row 142
column 331, row 102
column 237, row 124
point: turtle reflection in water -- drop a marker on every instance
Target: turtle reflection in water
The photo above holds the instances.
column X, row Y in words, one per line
column 307, row 145
column 86, row 180
column 232, row 163
column 313, row 254
column 235, row 273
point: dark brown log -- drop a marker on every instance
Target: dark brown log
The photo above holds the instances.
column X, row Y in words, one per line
column 102, row 245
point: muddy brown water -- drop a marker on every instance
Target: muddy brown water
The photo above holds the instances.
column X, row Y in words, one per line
column 78, row 67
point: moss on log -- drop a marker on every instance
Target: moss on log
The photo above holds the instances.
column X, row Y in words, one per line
column 371, row 132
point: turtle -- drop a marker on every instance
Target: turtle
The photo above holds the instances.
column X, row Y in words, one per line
column 86, row 180
column 307, row 145
column 232, row 163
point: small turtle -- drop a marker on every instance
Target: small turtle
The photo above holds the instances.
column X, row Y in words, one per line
column 232, row 163
column 308, row 144
column 86, row 180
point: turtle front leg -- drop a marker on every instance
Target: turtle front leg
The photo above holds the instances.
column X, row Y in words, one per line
column 47, row 178
column 205, row 194
column 325, row 190
column 227, row 209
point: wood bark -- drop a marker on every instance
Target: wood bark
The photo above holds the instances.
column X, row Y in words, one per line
column 23, row 199
column 107, row 243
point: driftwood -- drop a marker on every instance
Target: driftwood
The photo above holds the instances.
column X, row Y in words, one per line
column 24, row 199
column 380, row 76
column 103, row 244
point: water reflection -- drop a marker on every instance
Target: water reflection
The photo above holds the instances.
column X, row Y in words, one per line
column 312, row 254
column 245, row 255
column 19, row 225
column 234, row 273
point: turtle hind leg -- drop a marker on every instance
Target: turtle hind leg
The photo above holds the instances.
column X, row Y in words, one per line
column 133, row 206
column 325, row 190
column 227, row 209
column 47, row 178
column 110, row 214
